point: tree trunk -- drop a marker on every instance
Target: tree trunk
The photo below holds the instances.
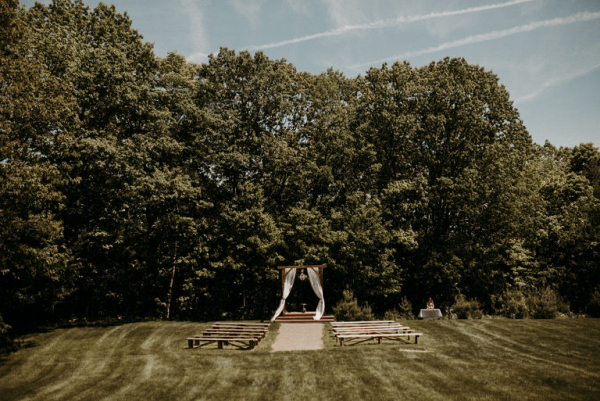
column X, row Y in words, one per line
column 170, row 295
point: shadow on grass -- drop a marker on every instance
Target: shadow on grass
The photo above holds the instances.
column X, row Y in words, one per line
column 108, row 322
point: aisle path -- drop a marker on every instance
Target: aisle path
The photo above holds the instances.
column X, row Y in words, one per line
column 299, row 336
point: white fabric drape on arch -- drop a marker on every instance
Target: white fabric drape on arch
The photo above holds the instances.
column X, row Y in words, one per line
column 287, row 287
column 315, row 283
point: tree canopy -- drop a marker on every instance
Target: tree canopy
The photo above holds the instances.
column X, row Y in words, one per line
column 140, row 186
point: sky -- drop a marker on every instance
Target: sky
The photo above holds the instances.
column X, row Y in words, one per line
column 545, row 52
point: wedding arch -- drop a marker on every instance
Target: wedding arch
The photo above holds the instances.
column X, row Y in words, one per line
column 315, row 276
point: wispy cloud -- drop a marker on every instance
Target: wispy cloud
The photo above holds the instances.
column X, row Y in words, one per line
column 557, row 81
column 298, row 6
column 199, row 37
column 345, row 12
column 484, row 37
column 249, row 10
column 385, row 23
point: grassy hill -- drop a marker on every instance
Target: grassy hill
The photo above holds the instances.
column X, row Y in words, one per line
column 461, row 360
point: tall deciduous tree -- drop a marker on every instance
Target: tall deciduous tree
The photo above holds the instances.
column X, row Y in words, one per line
column 449, row 131
column 35, row 108
column 141, row 186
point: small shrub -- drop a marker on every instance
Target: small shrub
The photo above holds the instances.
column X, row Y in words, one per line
column 513, row 304
column 464, row 308
column 391, row 314
column 7, row 343
column 546, row 304
column 593, row 306
column 405, row 309
column 347, row 309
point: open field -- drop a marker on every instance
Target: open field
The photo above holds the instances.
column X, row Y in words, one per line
column 461, row 360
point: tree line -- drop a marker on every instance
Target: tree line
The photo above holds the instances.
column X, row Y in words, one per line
column 139, row 186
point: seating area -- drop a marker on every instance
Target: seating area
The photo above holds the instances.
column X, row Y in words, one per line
column 240, row 335
column 352, row 333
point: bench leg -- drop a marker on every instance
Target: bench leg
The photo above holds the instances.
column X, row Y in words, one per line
column 190, row 343
column 341, row 342
column 379, row 340
column 417, row 341
column 220, row 344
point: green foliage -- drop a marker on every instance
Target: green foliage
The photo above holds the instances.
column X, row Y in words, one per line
column 513, row 304
column 562, row 233
column 35, row 107
column 464, row 308
column 404, row 311
column 134, row 185
column 546, row 303
column 7, row 343
column 391, row 314
column 347, row 309
column 585, row 160
column 593, row 307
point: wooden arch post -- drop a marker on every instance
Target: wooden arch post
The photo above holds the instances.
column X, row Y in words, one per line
column 284, row 273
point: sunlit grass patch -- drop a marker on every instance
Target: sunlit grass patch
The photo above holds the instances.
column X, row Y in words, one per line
column 460, row 360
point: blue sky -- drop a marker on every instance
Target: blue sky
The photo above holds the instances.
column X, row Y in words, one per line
column 546, row 52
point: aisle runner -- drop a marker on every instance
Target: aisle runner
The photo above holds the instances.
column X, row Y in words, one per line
column 299, row 336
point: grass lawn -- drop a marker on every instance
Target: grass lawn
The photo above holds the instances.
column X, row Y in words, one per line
column 457, row 359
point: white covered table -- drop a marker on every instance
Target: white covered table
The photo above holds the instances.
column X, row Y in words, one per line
column 430, row 314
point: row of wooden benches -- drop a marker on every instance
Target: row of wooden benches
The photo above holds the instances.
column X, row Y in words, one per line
column 241, row 335
column 352, row 333
column 248, row 335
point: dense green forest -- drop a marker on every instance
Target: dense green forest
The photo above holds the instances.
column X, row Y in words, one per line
column 137, row 186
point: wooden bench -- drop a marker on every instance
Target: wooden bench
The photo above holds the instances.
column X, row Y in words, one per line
column 228, row 326
column 201, row 341
column 236, row 328
column 378, row 336
column 361, row 323
column 242, row 324
column 226, row 333
column 367, row 330
column 250, row 332
column 217, row 332
column 373, row 331
column 358, row 328
column 249, row 329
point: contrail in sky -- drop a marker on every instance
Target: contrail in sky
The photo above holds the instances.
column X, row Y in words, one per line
column 384, row 24
column 559, row 81
column 484, row 37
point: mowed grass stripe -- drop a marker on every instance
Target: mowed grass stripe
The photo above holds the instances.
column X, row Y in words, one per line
column 551, row 341
column 155, row 361
column 45, row 355
column 467, row 364
column 99, row 356
column 464, row 360
column 545, row 343
column 528, row 354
